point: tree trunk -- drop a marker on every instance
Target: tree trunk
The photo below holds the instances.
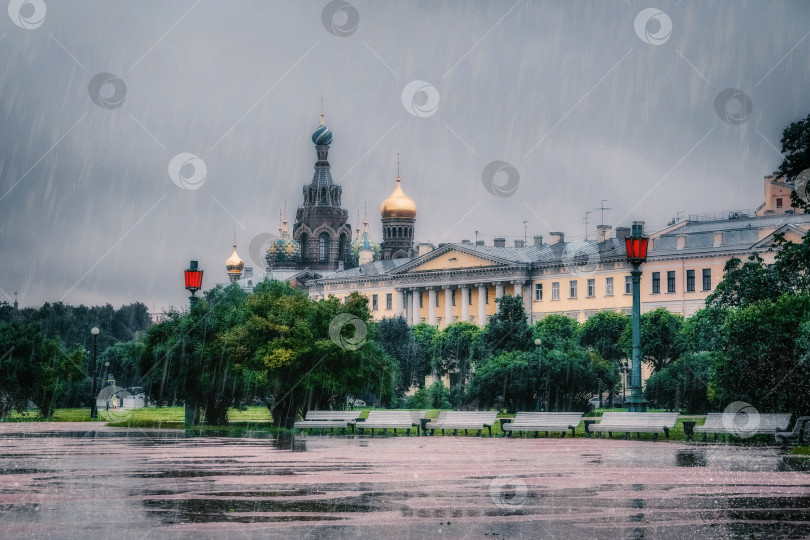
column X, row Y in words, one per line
column 192, row 414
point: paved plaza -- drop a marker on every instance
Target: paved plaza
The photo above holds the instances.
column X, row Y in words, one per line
column 76, row 480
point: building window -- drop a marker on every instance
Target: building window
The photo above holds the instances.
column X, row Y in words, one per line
column 420, row 299
column 670, row 282
column 323, row 245
column 486, row 295
column 555, row 290
column 690, row 281
column 628, row 285
column 591, row 288
column 453, row 297
column 707, row 279
column 656, row 282
column 345, row 299
column 779, row 202
column 469, row 297
column 437, row 300
column 609, row 286
column 374, row 305
column 388, row 301
column 572, row 288
column 538, row 292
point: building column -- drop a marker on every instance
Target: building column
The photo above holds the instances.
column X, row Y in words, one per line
column 417, row 293
column 398, row 307
column 432, row 306
column 409, row 304
column 404, row 306
column 482, row 304
column 448, row 305
column 498, row 289
column 465, row 303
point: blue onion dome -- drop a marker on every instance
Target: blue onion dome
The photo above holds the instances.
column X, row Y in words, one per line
column 366, row 244
column 322, row 136
column 284, row 251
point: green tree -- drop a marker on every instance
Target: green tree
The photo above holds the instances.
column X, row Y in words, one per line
column 435, row 396
column 34, row 368
column 508, row 329
column 509, row 379
column 659, row 338
column 395, row 338
column 459, row 348
column 556, row 332
column 683, row 384
column 602, row 332
column 795, row 148
column 745, row 283
column 703, row 331
column 765, row 362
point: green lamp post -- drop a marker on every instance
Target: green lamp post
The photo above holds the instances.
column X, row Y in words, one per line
column 636, row 245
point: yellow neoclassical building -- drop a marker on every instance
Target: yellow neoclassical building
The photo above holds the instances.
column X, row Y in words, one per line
column 461, row 281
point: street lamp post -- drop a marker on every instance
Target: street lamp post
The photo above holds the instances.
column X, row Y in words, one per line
column 193, row 281
column 636, row 245
column 94, row 374
column 537, row 343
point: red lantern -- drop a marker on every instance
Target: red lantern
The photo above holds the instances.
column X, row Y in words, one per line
column 193, row 277
column 636, row 245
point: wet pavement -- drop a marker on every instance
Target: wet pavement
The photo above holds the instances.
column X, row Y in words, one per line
column 73, row 480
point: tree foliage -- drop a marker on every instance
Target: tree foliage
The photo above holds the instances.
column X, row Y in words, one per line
column 659, row 338
column 35, row 368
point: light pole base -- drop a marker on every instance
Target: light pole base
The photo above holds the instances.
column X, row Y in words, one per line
column 636, row 404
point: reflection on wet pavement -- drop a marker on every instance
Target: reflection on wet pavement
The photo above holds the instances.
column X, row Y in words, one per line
column 85, row 480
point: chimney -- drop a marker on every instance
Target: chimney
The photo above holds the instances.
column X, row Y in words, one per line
column 479, row 242
column 556, row 237
column 424, row 247
column 622, row 233
column 500, row 242
column 466, row 242
column 520, row 243
column 603, row 233
column 538, row 240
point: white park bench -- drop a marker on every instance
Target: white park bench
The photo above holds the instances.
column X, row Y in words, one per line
column 456, row 420
column 328, row 420
column 542, row 421
column 800, row 430
column 391, row 420
column 730, row 424
column 635, row 422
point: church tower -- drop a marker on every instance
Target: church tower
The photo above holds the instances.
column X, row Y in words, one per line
column 398, row 215
column 321, row 229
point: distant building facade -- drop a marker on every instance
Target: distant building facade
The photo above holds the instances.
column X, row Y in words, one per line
column 462, row 281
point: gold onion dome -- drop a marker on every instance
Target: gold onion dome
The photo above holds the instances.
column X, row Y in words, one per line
column 398, row 205
column 234, row 264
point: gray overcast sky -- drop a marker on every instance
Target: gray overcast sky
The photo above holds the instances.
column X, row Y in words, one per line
column 579, row 102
